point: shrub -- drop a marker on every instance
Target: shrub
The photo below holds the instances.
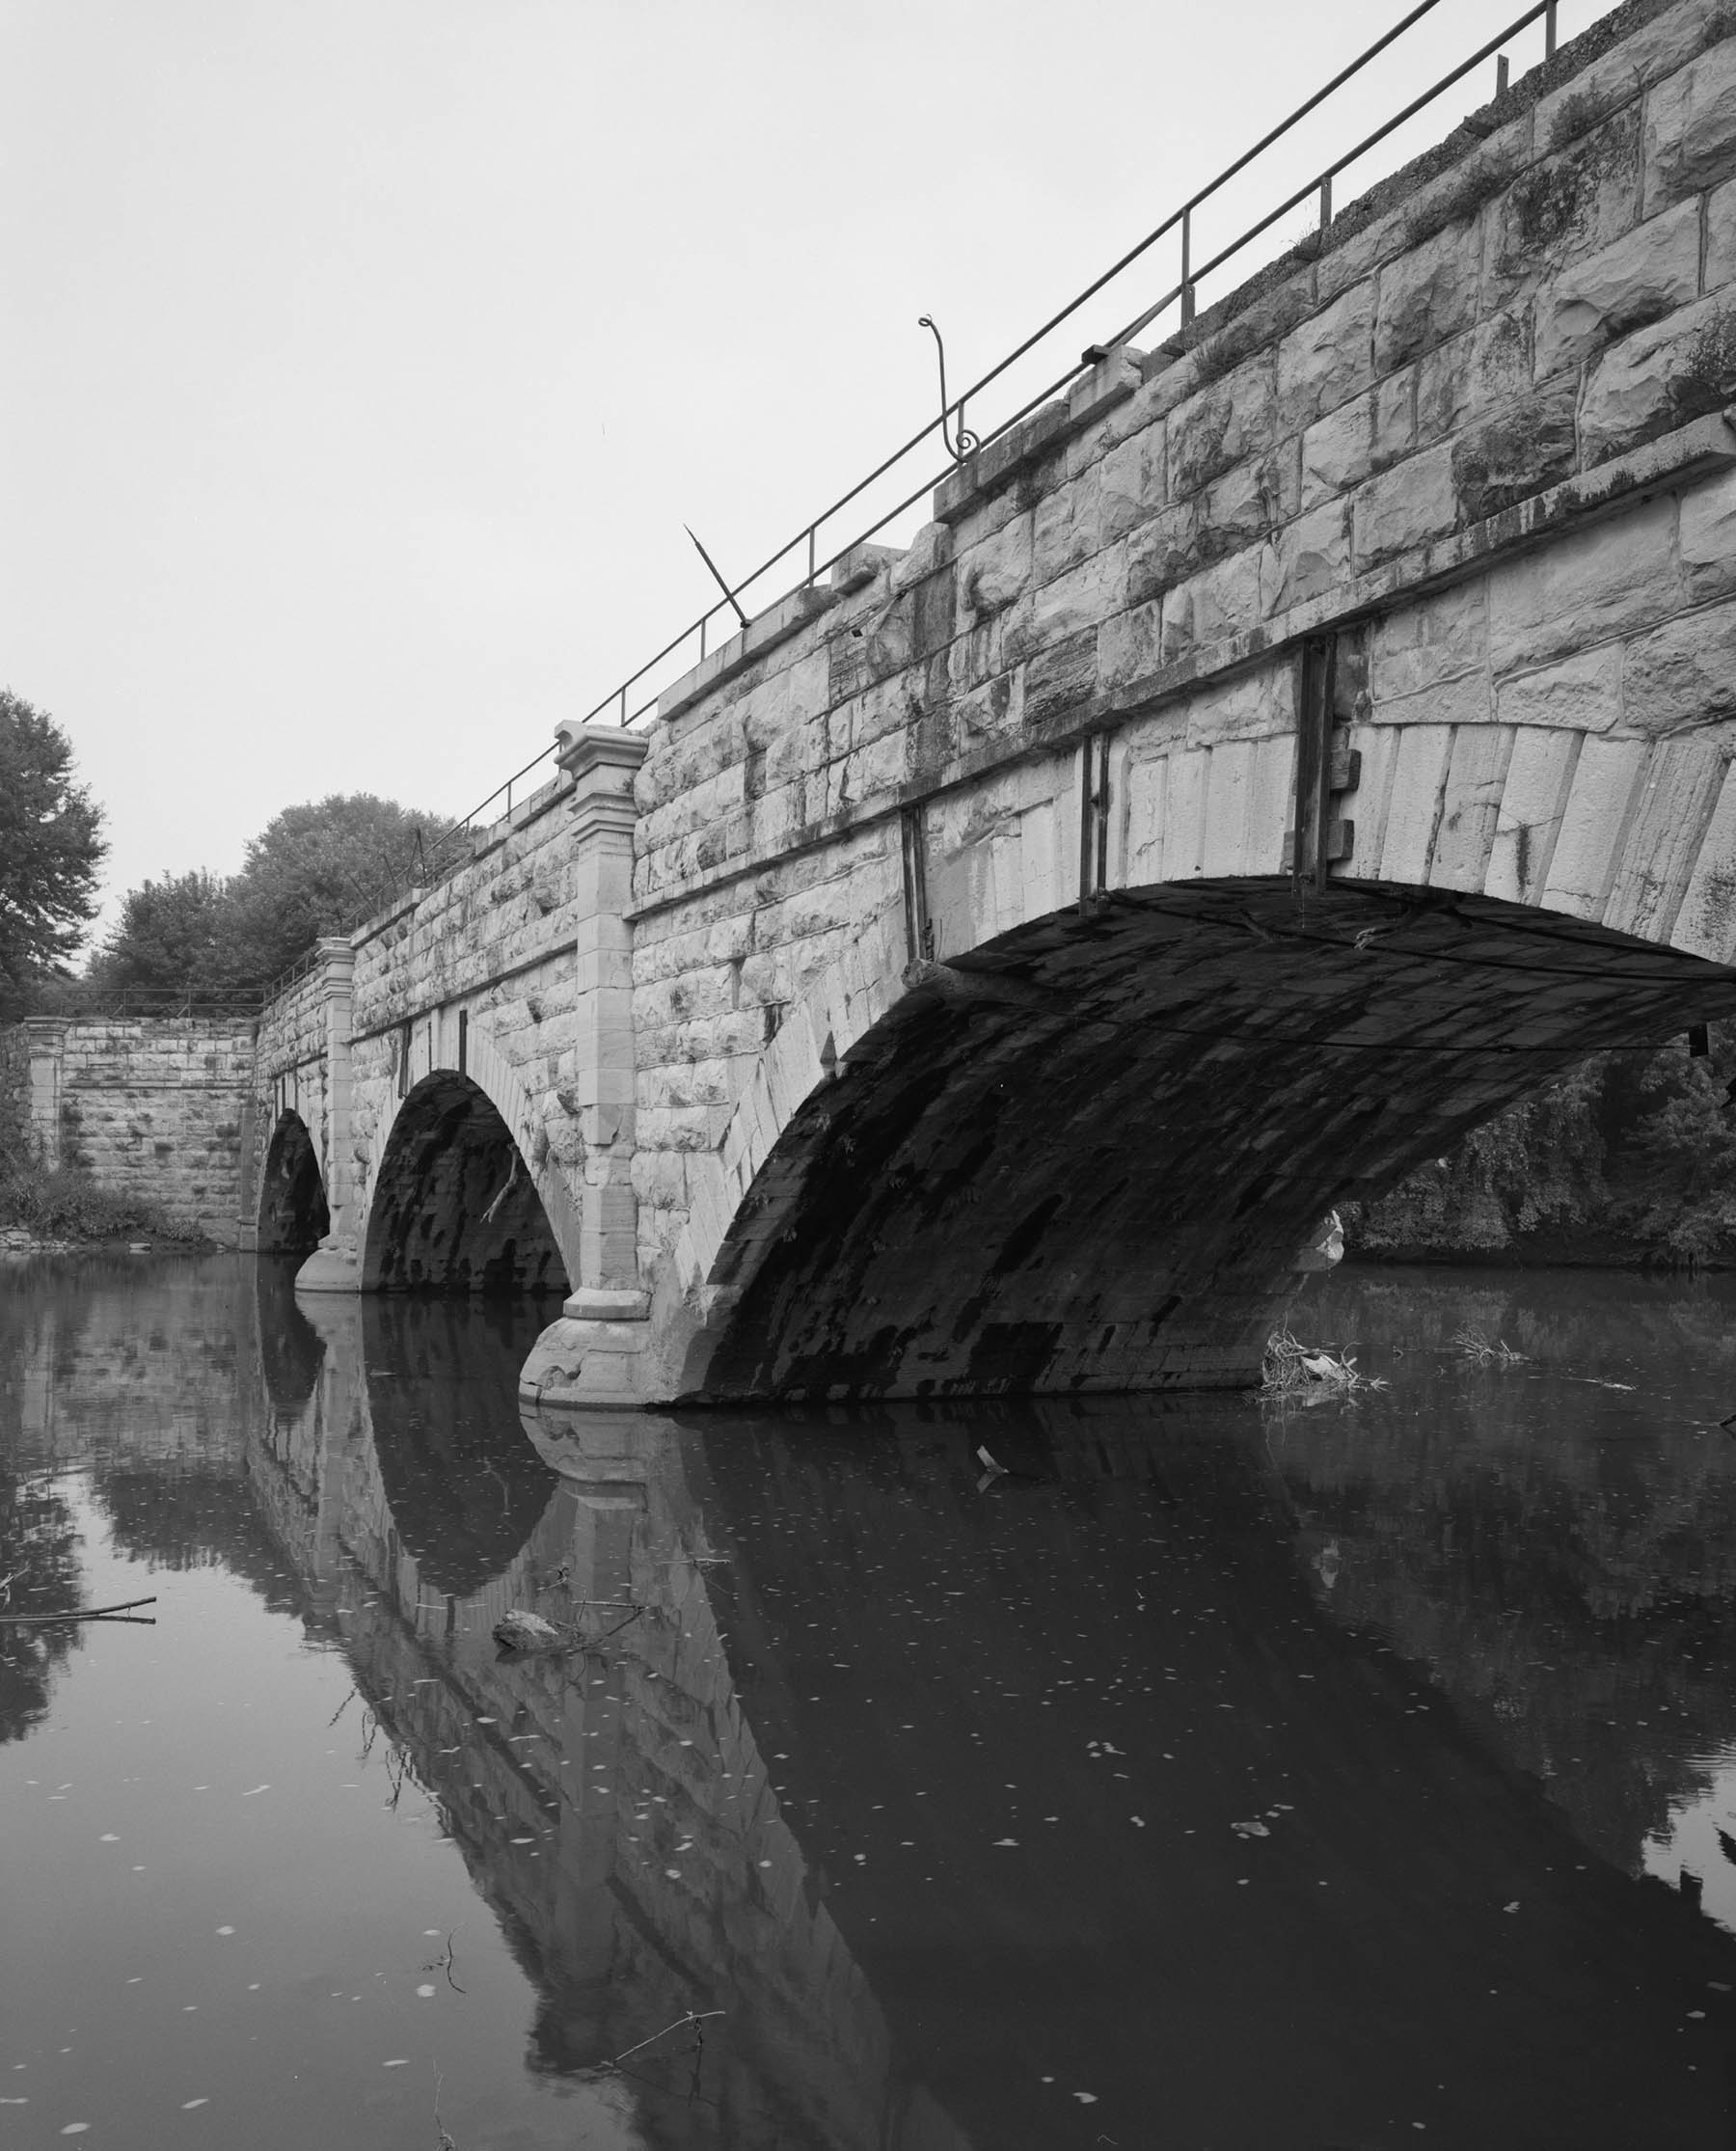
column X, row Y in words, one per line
column 67, row 1204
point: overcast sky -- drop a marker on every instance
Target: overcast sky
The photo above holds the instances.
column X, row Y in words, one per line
column 362, row 362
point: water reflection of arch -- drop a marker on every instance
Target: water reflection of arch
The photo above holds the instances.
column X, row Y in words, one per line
column 293, row 1217
column 656, row 1749
column 454, row 1206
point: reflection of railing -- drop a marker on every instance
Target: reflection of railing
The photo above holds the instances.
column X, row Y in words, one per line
column 447, row 851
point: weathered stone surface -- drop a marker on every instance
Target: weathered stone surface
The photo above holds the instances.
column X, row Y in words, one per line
column 1518, row 454
column 1566, row 205
column 1587, row 587
column 1475, row 375
column 1406, row 506
column 1706, row 538
column 1647, row 272
column 1658, row 377
column 1337, row 450
column 1327, row 358
column 1682, row 674
column 1309, row 558
column 1581, row 693
column 1222, row 426
column 1691, row 127
column 1426, row 295
column 1420, row 644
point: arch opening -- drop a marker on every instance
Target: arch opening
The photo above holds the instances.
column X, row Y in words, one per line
column 1086, row 1155
column 455, row 1208
column 293, row 1217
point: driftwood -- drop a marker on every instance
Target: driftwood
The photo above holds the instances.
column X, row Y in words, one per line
column 87, row 1612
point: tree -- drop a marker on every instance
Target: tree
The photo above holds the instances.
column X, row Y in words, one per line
column 179, row 931
column 320, row 868
column 51, row 846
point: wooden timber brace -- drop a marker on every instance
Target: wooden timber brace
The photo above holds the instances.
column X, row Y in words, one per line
column 1326, row 765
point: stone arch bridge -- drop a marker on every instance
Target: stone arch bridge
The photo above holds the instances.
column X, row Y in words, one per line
column 1269, row 761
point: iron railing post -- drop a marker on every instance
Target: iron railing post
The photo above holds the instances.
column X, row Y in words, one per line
column 1187, row 296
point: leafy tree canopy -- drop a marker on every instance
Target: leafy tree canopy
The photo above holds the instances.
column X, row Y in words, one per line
column 51, row 846
column 320, row 868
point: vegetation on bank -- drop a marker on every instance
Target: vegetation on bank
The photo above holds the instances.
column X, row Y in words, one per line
column 65, row 1203
column 1627, row 1158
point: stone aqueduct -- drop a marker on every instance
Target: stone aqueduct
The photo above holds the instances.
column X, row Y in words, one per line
column 1269, row 761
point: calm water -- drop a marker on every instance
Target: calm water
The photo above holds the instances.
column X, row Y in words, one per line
column 920, row 1794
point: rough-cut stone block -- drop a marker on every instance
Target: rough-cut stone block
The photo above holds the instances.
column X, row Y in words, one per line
column 1584, row 587
column 1678, row 790
column 1461, row 699
column 1426, row 295
column 1476, row 779
column 1691, row 127
column 1415, row 806
column 1130, row 647
column 1706, row 538
column 1222, row 426
column 1431, row 640
column 1657, row 378
column 1169, row 849
column 1208, row 608
column 1683, row 674
column 1719, row 269
column 1599, row 802
column 1581, row 694
column 1327, row 358
column 1705, row 924
column 1404, row 507
column 1539, row 777
column 1252, row 707
column 1308, row 557
column 1474, row 375
column 1644, row 274
column 1337, row 450
column 1522, row 451
column 1566, row 205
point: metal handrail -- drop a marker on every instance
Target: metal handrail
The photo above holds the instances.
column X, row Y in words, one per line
column 1183, row 292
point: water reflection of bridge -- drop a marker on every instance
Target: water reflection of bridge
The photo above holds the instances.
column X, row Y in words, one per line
column 619, row 1815
column 613, row 1808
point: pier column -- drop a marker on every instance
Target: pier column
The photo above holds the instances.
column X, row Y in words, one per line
column 47, row 1050
column 335, row 1264
column 594, row 1353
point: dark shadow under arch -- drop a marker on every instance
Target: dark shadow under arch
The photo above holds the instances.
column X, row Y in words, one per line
column 293, row 1218
column 454, row 1207
column 1086, row 1155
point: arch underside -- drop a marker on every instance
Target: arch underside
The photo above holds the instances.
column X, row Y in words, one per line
column 293, row 1217
column 455, row 1208
column 1084, row 1157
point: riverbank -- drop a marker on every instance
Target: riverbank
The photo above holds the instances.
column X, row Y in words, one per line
column 1625, row 1162
column 64, row 1210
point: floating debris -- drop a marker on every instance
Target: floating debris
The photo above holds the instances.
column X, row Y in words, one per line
column 1310, row 1372
column 1476, row 1348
